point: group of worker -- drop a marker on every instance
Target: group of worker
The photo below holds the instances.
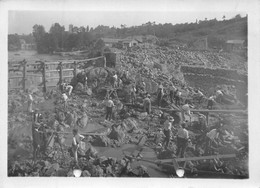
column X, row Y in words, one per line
column 175, row 95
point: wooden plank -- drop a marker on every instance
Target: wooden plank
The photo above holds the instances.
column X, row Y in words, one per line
column 44, row 77
column 14, row 77
column 86, row 133
column 204, row 110
column 68, row 70
column 36, row 75
column 196, row 110
column 24, row 75
column 48, row 71
column 61, row 73
column 95, row 58
column 52, row 63
column 200, row 158
column 15, row 87
column 54, row 77
column 71, row 76
column 75, row 69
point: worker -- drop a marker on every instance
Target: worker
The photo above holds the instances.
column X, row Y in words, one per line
column 219, row 96
column 160, row 94
column 186, row 109
column 86, row 81
column 66, row 87
column 109, row 108
column 167, row 131
column 30, row 102
column 76, row 144
column 147, row 104
column 202, row 123
column 200, row 96
column 115, row 77
column 177, row 97
column 37, row 117
column 211, row 101
column 162, row 117
column 120, row 82
column 212, row 138
column 143, row 86
column 133, row 94
column 82, row 77
column 172, row 91
column 182, row 140
column 65, row 100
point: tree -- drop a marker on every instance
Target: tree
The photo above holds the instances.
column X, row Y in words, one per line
column 14, row 42
column 98, row 48
column 40, row 38
column 56, row 34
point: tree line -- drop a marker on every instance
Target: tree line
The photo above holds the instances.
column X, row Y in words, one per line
column 83, row 38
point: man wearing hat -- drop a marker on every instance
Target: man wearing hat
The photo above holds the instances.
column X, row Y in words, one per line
column 147, row 104
column 167, row 131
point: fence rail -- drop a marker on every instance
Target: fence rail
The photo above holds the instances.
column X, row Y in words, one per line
column 46, row 72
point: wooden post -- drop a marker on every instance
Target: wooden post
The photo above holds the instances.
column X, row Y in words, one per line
column 75, row 69
column 24, row 74
column 61, row 73
column 105, row 61
column 207, row 115
column 44, row 76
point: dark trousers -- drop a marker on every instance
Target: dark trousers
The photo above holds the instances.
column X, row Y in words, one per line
column 210, row 104
column 181, row 146
column 166, row 141
column 133, row 97
column 159, row 99
column 147, row 109
column 171, row 96
column 109, row 113
column 177, row 100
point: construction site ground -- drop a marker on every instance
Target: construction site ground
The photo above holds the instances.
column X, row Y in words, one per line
column 141, row 63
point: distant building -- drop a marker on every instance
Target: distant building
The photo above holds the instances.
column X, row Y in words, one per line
column 110, row 42
column 27, row 46
column 139, row 39
column 233, row 45
column 129, row 43
column 126, row 43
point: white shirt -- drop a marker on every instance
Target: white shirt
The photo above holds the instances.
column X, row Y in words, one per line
column 110, row 103
column 30, row 97
column 115, row 77
column 167, row 125
column 65, row 97
column 212, row 98
column 213, row 134
column 186, row 107
column 178, row 93
column 183, row 133
column 218, row 92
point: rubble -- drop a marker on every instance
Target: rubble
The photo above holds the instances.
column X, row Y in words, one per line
column 131, row 125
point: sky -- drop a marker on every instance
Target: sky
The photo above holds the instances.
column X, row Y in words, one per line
column 21, row 22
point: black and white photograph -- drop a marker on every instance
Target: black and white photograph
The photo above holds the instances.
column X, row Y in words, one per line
column 136, row 93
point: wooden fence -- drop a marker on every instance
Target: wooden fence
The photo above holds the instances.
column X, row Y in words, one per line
column 23, row 75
